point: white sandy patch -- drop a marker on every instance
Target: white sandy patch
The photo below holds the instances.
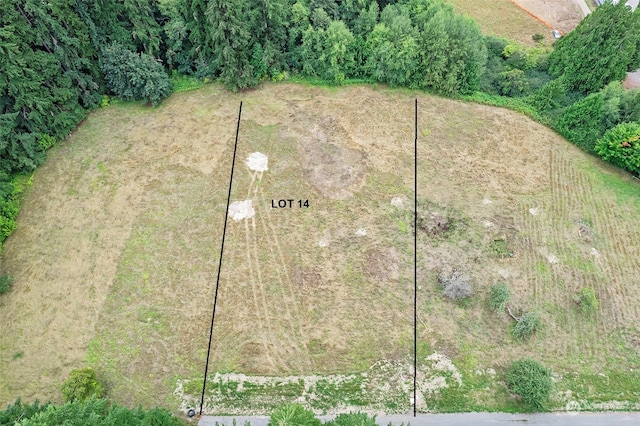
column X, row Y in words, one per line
column 257, row 162
column 323, row 242
column 504, row 273
column 486, row 201
column 487, row 224
column 595, row 252
column 239, row 210
column 443, row 364
column 361, row 232
column 397, row 202
column 535, row 211
column 552, row 259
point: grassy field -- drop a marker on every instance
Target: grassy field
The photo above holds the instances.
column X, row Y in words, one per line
column 116, row 253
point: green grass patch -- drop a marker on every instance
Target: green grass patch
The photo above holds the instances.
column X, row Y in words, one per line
column 603, row 387
column 515, row 104
column 184, row 83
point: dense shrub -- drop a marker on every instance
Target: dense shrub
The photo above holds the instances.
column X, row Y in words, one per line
column 82, row 384
column 621, row 146
column 95, row 412
column 352, row 419
column 9, row 207
column 526, row 325
column 134, row 77
column 581, row 122
column 512, row 83
column 456, row 287
column 19, row 411
column 293, row 415
column 587, row 301
column 531, row 381
column 548, row 96
column 499, row 297
column 620, row 105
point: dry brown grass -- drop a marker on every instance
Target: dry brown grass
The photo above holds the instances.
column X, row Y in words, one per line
column 117, row 245
column 501, row 18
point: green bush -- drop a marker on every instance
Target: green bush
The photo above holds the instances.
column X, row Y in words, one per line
column 95, row 412
column 293, row 415
column 184, row 83
column 45, row 142
column 587, row 301
column 19, row 411
column 621, row 146
column 549, row 96
column 81, row 385
column 531, row 381
column 134, row 77
column 5, row 283
column 352, row 419
column 581, row 123
column 528, row 324
column 9, row 208
column 499, row 297
column 512, row 83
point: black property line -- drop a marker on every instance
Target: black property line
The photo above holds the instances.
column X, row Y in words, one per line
column 224, row 233
column 415, row 259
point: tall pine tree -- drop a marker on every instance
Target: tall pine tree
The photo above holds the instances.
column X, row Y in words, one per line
column 232, row 25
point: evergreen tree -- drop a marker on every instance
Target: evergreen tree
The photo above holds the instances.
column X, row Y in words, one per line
column 602, row 48
column 134, row 76
column 178, row 53
column 197, row 30
column 142, row 23
column 273, row 22
column 232, row 25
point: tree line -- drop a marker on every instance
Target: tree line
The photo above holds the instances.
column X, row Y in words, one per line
column 60, row 58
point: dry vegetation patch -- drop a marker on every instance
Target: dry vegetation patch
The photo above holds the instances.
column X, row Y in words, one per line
column 117, row 247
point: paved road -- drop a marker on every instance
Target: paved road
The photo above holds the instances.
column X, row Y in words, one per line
column 582, row 4
column 475, row 419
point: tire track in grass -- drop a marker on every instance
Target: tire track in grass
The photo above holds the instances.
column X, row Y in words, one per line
column 275, row 328
column 615, row 269
column 288, row 314
column 281, row 270
column 255, row 291
column 563, row 202
column 581, row 191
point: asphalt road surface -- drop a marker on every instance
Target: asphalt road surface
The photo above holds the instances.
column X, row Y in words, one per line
column 464, row 419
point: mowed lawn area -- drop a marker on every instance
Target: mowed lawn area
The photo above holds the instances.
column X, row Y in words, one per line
column 118, row 242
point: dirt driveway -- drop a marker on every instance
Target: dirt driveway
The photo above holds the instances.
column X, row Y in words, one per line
column 563, row 15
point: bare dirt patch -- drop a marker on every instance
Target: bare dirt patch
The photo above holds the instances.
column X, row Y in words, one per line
column 563, row 15
column 382, row 265
column 329, row 164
